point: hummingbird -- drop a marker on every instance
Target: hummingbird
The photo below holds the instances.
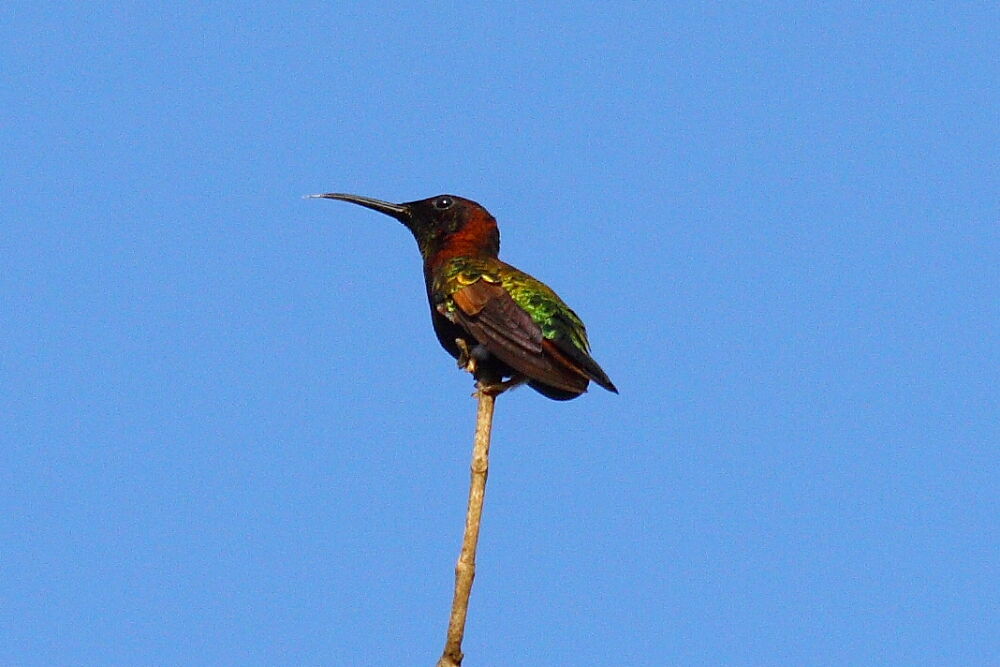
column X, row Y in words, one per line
column 497, row 321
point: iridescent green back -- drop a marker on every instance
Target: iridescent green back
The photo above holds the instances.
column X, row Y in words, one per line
column 547, row 310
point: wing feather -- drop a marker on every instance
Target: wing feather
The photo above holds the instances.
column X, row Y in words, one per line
column 489, row 313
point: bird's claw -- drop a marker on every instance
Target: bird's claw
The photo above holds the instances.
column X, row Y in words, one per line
column 465, row 359
column 497, row 388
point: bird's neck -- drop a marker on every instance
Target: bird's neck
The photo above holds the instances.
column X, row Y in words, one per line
column 455, row 251
column 477, row 238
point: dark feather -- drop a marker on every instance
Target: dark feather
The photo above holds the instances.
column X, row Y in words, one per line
column 489, row 313
column 566, row 353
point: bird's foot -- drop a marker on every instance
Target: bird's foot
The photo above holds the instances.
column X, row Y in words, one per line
column 466, row 361
column 497, row 388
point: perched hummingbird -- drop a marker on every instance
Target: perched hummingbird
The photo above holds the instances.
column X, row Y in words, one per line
column 486, row 312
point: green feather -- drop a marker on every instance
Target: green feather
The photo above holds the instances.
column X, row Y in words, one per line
column 547, row 310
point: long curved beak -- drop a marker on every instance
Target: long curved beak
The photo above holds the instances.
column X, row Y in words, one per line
column 399, row 211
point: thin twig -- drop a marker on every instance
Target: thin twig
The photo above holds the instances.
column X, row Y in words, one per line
column 465, row 570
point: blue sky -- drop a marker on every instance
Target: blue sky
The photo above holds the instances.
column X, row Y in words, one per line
column 230, row 437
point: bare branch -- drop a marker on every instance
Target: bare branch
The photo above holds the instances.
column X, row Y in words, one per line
column 465, row 569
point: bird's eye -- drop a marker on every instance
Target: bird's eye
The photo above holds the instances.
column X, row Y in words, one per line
column 441, row 203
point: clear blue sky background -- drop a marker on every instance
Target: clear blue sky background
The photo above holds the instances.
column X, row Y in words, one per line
column 230, row 437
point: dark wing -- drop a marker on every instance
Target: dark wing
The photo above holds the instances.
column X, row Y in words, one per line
column 489, row 313
column 567, row 354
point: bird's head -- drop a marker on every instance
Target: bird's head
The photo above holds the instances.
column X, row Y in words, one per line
column 438, row 223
